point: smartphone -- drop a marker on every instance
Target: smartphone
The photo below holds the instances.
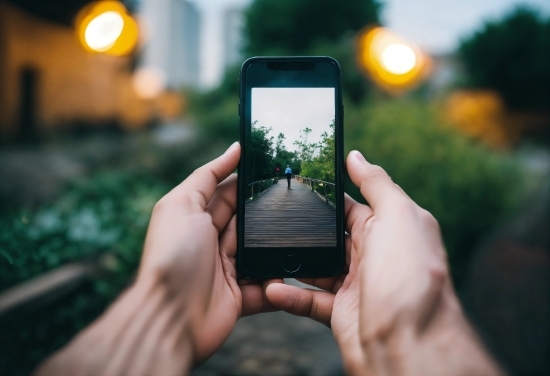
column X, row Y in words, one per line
column 290, row 205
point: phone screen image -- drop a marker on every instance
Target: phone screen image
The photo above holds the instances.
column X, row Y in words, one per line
column 289, row 175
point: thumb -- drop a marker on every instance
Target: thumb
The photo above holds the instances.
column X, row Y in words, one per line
column 314, row 304
column 375, row 184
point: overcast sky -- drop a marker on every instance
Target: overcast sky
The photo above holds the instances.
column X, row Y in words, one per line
column 435, row 25
column 290, row 110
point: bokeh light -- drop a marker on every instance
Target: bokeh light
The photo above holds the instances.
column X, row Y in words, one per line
column 106, row 27
column 392, row 62
column 398, row 58
column 149, row 82
column 103, row 31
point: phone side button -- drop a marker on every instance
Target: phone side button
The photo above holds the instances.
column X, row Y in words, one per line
column 291, row 264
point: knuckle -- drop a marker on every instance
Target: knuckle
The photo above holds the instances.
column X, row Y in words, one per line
column 379, row 334
column 190, row 198
column 429, row 219
column 438, row 273
column 161, row 205
column 363, row 224
column 404, row 205
column 373, row 173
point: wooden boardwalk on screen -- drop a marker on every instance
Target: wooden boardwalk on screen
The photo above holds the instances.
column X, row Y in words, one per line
column 295, row 217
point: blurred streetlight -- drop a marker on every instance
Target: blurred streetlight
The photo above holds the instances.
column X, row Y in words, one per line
column 392, row 62
column 106, row 27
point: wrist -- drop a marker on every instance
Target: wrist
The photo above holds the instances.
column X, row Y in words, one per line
column 448, row 345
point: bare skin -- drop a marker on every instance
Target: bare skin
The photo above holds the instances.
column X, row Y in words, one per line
column 186, row 299
column 393, row 310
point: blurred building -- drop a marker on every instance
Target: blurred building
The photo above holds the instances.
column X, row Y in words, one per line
column 172, row 33
column 233, row 23
column 47, row 80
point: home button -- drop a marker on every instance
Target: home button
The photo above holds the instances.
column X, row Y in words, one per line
column 291, row 264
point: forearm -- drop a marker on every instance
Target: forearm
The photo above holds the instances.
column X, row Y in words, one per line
column 457, row 350
column 144, row 332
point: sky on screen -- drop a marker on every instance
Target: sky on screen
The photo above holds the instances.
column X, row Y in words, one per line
column 290, row 110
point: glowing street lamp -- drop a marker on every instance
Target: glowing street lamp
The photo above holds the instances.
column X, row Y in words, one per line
column 106, row 27
column 392, row 62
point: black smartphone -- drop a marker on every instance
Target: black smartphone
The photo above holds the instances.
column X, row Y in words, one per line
column 290, row 206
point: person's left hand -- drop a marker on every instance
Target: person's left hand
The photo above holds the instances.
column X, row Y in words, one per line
column 186, row 299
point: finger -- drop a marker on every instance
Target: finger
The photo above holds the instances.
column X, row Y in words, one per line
column 356, row 214
column 332, row 284
column 347, row 242
column 246, row 281
column 228, row 248
column 223, row 204
column 314, row 304
column 202, row 183
column 353, row 210
column 254, row 298
column 375, row 184
column 323, row 283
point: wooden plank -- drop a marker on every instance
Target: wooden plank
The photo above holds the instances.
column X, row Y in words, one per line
column 295, row 217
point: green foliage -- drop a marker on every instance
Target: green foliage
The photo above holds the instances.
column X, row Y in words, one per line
column 468, row 188
column 260, row 153
column 264, row 157
column 102, row 217
column 512, row 56
column 293, row 27
column 108, row 213
column 318, row 158
column 217, row 114
column 284, row 157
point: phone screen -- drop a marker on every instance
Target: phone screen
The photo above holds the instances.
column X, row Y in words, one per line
column 290, row 207
column 290, row 193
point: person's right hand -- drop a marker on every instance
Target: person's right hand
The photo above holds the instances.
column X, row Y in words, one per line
column 394, row 310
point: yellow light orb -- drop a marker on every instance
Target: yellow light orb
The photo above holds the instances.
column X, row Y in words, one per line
column 106, row 27
column 103, row 31
column 389, row 60
column 398, row 58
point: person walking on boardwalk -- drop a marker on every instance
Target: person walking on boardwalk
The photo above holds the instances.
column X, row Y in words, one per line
column 288, row 173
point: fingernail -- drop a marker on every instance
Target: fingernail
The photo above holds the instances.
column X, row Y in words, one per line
column 232, row 146
column 359, row 156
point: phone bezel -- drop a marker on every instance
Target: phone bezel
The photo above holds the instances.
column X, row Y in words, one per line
column 312, row 71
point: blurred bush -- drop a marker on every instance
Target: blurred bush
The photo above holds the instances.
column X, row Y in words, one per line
column 104, row 218
column 107, row 213
column 512, row 56
column 468, row 188
column 293, row 27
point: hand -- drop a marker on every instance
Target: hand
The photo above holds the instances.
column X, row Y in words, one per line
column 394, row 310
column 186, row 298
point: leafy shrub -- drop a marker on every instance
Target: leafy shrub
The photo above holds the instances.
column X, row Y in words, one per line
column 108, row 213
column 105, row 217
column 465, row 186
column 511, row 56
